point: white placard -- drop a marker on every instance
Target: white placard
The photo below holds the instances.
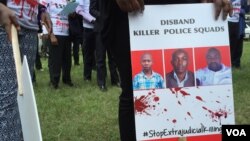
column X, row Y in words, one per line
column 27, row 107
column 199, row 110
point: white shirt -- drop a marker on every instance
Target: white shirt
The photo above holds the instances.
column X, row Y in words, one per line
column 60, row 22
column 26, row 12
column 180, row 83
column 83, row 9
column 236, row 11
column 209, row 77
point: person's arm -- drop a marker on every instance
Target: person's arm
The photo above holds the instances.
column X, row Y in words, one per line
column 85, row 13
column 7, row 18
column 223, row 6
column 244, row 8
column 138, row 5
column 93, row 10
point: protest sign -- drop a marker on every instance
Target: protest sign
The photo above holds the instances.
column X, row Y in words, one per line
column 189, row 90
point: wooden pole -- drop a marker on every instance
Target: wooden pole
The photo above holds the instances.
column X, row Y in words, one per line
column 182, row 139
column 17, row 58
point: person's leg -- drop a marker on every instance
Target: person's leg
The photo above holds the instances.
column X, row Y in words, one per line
column 113, row 68
column 89, row 52
column 238, row 53
column 55, row 61
column 101, row 62
column 28, row 46
column 66, row 60
column 233, row 38
column 10, row 124
column 38, row 58
column 119, row 31
column 76, row 43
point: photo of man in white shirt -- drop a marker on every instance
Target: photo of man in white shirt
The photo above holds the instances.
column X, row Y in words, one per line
column 215, row 73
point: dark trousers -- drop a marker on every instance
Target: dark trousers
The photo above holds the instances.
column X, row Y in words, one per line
column 101, row 51
column 89, row 52
column 76, row 42
column 235, row 49
column 60, row 59
column 239, row 52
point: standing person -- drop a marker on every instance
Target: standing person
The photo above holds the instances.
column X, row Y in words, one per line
column 234, row 32
column 242, row 25
column 17, row 12
column 60, row 50
column 101, row 51
column 147, row 78
column 180, row 76
column 89, row 38
column 115, row 28
column 76, row 34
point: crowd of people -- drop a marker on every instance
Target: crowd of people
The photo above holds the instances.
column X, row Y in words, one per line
column 105, row 29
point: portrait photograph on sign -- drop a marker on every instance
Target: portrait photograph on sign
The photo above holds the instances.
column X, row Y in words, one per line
column 147, row 70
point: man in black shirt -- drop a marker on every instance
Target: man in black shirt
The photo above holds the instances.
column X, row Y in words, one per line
column 115, row 29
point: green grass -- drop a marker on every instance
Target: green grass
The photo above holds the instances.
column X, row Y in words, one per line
column 83, row 113
column 241, row 80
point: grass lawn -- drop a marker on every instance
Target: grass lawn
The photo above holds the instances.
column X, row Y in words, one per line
column 83, row 113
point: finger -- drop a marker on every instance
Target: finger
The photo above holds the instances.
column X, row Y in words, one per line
column 8, row 31
column 218, row 8
column 141, row 3
column 135, row 5
column 226, row 9
column 14, row 21
column 129, row 8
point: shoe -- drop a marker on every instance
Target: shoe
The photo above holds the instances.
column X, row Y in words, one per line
column 87, row 80
column 69, row 83
column 103, row 88
column 40, row 69
column 55, row 86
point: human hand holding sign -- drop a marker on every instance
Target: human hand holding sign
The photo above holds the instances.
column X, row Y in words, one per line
column 138, row 5
column 221, row 6
column 131, row 5
column 7, row 18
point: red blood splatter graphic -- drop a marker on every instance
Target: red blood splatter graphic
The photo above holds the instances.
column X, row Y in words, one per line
column 156, row 99
column 189, row 114
column 217, row 115
column 141, row 105
column 184, row 93
column 204, row 108
column 32, row 3
column 17, row 2
column 179, row 102
column 199, row 98
column 145, row 104
column 177, row 89
column 174, row 120
column 172, row 90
